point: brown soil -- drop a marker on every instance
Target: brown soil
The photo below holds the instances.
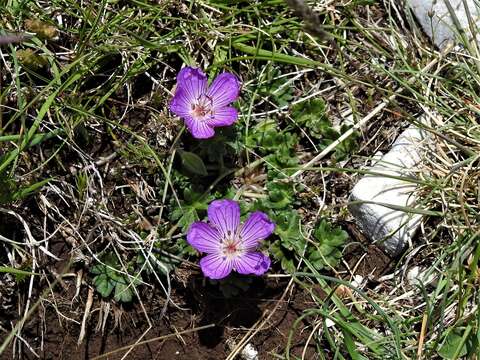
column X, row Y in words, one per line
column 363, row 258
column 52, row 337
column 205, row 304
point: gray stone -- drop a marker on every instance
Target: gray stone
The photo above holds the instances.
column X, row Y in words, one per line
column 437, row 21
column 376, row 198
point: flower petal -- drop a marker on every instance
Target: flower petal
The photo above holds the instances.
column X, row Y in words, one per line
column 225, row 116
column 252, row 263
column 224, row 90
column 257, row 227
column 193, row 81
column 216, row 266
column 203, row 237
column 199, row 129
column 224, row 215
column 181, row 104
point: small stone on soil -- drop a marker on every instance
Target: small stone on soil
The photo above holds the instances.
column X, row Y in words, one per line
column 249, row 352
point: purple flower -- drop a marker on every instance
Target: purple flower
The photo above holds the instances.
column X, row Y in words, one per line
column 202, row 107
column 228, row 244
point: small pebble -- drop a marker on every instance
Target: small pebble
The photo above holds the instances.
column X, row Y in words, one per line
column 357, row 281
column 329, row 323
column 249, row 352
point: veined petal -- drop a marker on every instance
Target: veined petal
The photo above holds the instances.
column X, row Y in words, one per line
column 252, row 263
column 225, row 216
column 193, row 82
column 257, row 227
column 204, row 237
column 181, row 104
column 199, row 129
column 224, row 90
column 223, row 117
column 216, row 266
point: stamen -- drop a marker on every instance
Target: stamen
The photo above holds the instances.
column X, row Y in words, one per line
column 202, row 107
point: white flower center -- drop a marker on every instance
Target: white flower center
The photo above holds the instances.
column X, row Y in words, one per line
column 231, row 246
column 202, row 107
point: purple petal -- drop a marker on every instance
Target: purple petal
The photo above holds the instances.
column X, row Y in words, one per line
column 193, row 82
column 224, row 215
column 252, row 263
column 215, row 266
column 181, row 104
column 224, row 90
column 203, row 237
column 199, row 129
column 223, row 117
column 257, row 227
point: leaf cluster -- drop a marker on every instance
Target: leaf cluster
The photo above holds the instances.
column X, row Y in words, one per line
column 276, row 89
column 187, row 213
column 312, row 116
column 11, row 191
column 325, row 251
column 278, row 147
column 110, row 277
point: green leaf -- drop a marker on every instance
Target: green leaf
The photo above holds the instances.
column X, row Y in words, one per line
column 123, row 293
column 278, row 147
column 276, row 89
column 261, row 54
column 312, row 115
column 286, row 257
column 29, row 190
column 186, row 216
column 291, row 243
column 280, row 195
column 97, row 269
column 350, row 346
column 160, row 263
column 220, row 55
column 188, row 213
column 108, row 278
column 10, row 270
column 330, row 241
column 193, row 163
column 103, row 285
column 288, row 229
column 454, row 346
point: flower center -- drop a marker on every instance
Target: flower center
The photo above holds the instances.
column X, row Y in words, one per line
column 202, row 107
column 231, row 246
column 199, row 111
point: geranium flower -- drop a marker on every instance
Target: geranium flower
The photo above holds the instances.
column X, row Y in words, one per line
column 228, row 244
column 202, row 107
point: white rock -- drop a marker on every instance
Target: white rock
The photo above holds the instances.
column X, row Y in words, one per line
column 357, row 281
column 329, row 323
column 412, row 274
column 249, row 352
column 390, row 228
column 418, row 276
column 437, row 22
